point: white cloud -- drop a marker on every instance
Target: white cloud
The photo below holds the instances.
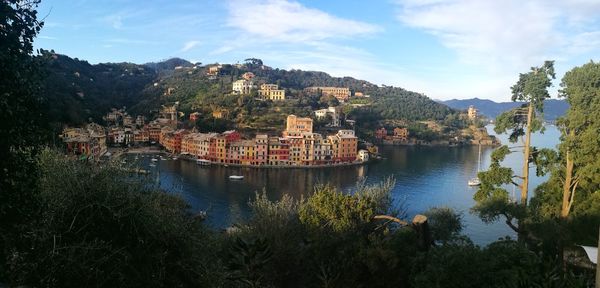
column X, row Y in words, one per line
column 290, row 21
column 132, row 41
column 509, row 33
column 116, row 19
column 585, row 42
column 503, row 38
column 498, row 33
column 47, row 37
column 222, row 50
column 189, row 45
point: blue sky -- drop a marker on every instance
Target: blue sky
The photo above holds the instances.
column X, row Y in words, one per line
column 443, row 48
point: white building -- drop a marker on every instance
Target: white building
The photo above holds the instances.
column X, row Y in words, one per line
column 333, row 112
column 242, row 87
column 363, row 155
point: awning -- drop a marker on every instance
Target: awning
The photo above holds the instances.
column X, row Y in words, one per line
column 592, row 253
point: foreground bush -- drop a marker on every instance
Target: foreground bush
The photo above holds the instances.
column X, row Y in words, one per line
column 100, row 227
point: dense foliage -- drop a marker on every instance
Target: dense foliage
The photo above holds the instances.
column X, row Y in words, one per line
column 571, row 193
column 98, row 226
column 77, row 91
column 22, row 129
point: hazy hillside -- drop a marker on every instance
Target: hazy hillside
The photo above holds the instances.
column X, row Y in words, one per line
column 553, row 108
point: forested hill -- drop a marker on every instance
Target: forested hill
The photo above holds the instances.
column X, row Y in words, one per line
column 78, row 91
column 553, row 108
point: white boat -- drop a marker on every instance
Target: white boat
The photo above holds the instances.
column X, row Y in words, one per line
column 236, row 177
column 175, row 158
column 203, row 162
column 154, row 159
column 475, row 181
column 152, row 165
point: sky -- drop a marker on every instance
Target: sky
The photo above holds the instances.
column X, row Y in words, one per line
column 446, row 49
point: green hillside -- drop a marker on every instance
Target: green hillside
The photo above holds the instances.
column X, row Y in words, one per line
column 78, row 91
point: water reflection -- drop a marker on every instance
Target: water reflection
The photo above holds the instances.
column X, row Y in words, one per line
column 425, row 177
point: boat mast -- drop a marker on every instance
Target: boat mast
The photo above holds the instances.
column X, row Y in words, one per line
column 479, row 159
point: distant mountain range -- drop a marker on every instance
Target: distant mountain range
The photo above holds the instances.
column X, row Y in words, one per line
column 553, row 108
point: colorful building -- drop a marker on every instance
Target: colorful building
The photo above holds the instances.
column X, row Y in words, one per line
column 341, row 93
column 295, row 126
column 271, row 92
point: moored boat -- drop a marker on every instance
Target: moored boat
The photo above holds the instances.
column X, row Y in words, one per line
column 474, row 182
column 236, row 177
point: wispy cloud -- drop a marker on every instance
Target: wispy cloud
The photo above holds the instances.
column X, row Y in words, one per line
column 132, row 41
column 490, row 32
column 500, row 33
column 502, row 38
column 115, row 20
column 47, row 37
column 222, row 49
column 189, row 45
column 290, row 21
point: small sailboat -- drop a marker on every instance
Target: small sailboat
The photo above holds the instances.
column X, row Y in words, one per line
column 236, row 177
column 475, row 181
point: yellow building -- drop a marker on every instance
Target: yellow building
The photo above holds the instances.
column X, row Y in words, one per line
column 401, row 134
column 247, row 152
column 271, row 92
column 341, row 93
column 297, row 149
column 220, row 113
column 197, row 144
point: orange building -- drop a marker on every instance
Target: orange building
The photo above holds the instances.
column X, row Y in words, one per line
column 344, row 146
column 153, row 132
column 171, row 140
column 295, row 126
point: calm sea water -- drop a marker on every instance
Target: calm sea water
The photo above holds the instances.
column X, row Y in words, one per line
column 425, row 177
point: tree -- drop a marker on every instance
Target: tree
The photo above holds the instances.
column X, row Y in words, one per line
column 492, row 199
column 580, row 144
column 21, row 132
